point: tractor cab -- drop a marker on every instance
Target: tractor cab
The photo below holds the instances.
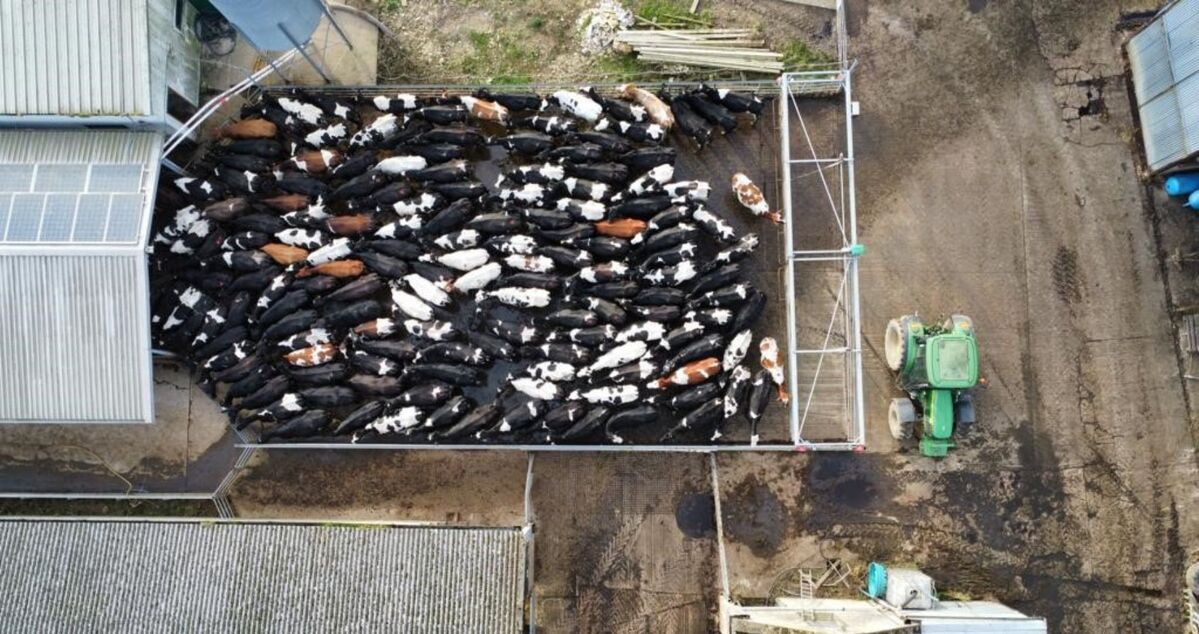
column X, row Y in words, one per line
column 936, row 366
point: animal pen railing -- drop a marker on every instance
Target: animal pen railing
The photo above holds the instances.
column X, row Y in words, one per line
column 822, row 253
column 816, row 260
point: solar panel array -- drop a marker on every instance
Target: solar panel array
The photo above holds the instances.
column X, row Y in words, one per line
column 71, row 202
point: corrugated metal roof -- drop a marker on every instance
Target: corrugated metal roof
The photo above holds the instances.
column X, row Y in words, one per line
column 1164, row 57
column 1149, row 52
column 74, row 306
column 79, row 146
column 975, row 617
column 238, row 577
column 74, row 342
column 74, row 57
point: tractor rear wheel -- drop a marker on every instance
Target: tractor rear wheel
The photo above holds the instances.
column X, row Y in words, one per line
column 895, row 343
column 901, row 416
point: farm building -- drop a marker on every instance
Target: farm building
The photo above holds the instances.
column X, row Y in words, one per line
column 1162, row 57
column 142, row 70
column 193, row 576
column 75, row 204
column 75, row 209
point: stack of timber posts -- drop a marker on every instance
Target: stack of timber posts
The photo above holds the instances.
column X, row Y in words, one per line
column 732, row 49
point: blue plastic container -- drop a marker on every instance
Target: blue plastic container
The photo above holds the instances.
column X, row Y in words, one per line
column 1182, row 184
column 1193, row 200
column 876, row 580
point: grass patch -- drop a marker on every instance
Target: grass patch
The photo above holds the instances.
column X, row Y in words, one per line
column 673, row 14
column 797, row 54
column 479, row 40
column 536, row 22
column 512, row 80
column 619, row 67
column 498, row 59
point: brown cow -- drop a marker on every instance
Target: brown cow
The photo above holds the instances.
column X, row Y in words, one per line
column 337, row 268
column 620, row 228
column 284, row 254
column 248, row 129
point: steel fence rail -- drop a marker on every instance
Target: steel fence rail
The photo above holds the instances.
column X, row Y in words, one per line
column 845, row 316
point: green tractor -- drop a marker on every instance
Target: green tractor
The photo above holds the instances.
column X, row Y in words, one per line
column 936, row 366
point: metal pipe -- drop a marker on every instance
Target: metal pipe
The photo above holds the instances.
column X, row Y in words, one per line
column 62, row 495
column 365, row 16
column 216, row 102
column 439, row 89
column 333, row 21
column 789, row 248
column 530, row 535
column 245, row 520
column 724, row 564
column 799, row 257
column 550, row 448
column 300, row 47
column 859, row 403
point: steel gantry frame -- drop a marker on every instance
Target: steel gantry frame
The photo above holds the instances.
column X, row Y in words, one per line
column 836, row 177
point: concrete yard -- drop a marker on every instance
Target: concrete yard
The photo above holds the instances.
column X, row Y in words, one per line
column 998, row 175
column 188, row 450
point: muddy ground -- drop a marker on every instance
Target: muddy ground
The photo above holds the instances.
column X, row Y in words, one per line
column 997, row 175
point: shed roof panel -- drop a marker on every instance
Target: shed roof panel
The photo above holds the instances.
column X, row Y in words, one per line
column 74, row 305
column 74, row 57
column 188, row 576
column 1164, row 58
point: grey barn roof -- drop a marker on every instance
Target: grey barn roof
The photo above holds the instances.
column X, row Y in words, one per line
column 1164, row 57
column 132, row 576
column 111, row 60
column 55, row 60
column 75, row 210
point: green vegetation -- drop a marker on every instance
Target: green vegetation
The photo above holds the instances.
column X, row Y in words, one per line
column 498, row 59
column 391, row 5
column 536, row 22
column 619, row 67
column 797, row 54
column 672, row 14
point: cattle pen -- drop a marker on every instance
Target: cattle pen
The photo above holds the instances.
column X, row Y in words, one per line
column 803, row 155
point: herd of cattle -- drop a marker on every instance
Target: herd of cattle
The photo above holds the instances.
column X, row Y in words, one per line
column 342, row 273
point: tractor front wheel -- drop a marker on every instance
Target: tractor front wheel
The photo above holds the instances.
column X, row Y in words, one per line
column 895, row 343
column 901, row 416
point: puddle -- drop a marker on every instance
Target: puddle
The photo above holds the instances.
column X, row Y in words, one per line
column 696, row 515
column 753, row 516
column 846, row 482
